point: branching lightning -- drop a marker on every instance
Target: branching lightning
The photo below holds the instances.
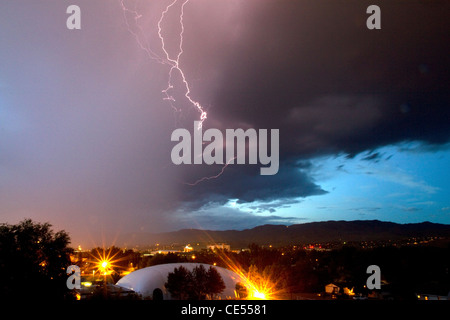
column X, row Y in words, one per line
column 139, row 35
column 212, row 177
column 176, row 63
column 170, row 59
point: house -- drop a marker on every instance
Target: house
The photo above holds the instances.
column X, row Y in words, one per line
column 332, row 289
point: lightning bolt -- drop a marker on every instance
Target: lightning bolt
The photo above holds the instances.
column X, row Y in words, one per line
column 176, row 63
column 212, row 177
column 170, row 59
column 139, row 35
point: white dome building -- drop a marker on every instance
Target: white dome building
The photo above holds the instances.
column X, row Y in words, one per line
column 151, row 281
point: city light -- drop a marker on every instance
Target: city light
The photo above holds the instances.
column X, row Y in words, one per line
column 104, row 261
column 103, row 266
column 260, row 286
column 258, row 295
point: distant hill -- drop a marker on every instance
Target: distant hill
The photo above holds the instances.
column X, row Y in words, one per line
column 278, row 235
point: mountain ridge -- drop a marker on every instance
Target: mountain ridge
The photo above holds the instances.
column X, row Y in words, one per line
column 323, row 231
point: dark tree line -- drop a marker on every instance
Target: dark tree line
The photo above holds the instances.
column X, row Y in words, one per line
column 33, row 261
column 197, row 284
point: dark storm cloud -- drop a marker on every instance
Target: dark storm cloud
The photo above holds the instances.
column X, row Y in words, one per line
column 313, row 70
column 373, row 157
column 225, row 218
column 273, row 206
column 245, row 184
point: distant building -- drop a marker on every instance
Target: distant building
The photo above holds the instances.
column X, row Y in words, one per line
column 106, row 291
column 426, row 296
column 188, row 248
column 165, row 251
column 332, row 289
column 218, row 246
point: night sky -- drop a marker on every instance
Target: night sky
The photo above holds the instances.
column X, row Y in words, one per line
column 363, row 115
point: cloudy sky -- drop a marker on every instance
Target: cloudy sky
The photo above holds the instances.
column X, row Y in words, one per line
column 363, row 114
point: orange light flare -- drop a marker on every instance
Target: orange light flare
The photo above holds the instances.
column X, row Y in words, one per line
column 104, row 261
column 259, row 286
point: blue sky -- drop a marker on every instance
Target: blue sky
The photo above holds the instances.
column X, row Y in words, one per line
column 403, row 183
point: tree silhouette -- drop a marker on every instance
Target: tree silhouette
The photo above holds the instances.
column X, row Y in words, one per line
column 33, row 261
column 179, row 282
column 214, row 282
column 200, row 283
column 196, row 285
